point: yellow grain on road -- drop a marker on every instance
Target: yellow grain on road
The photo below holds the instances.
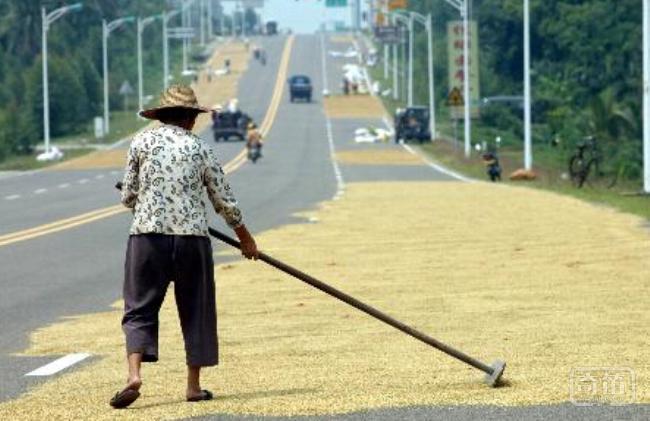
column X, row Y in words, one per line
column 378, row 157
column 546, row 282
column 354, row 106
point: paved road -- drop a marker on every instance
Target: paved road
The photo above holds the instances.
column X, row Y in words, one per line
column 78, row 270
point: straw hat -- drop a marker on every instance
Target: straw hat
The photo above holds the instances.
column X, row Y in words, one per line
column 176, row 96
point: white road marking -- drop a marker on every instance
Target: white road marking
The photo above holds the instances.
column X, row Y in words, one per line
column 437, row 167
column 40, row 191
column 83, row 181
column 64, row 185
column 114, row 172
column 12, row 197
column 58, row 365
column 426, row 160
column 99, row 176
column 340, row 182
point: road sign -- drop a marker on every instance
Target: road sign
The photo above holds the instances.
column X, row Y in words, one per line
column 181, row 32
column 336, row 3
column 388, row 34
column 126, row 88
column 455, row 49
column 455, row 98
column 397, row 4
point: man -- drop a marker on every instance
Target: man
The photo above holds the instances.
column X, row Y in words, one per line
column 254, row 142
column 168, row 169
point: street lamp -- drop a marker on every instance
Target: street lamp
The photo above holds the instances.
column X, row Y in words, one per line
column 47, row 20
column 463, row 7
column 396, row 17
column 186, row 22
column 142, row 23
column 528, row 144
column 409, row 20
column 646, row 96
column 166, row 16
column 107, row 28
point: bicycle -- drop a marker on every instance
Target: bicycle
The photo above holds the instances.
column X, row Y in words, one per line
column 587, row 156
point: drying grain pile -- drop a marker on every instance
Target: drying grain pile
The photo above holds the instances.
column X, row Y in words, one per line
column 378, row 157
column 546, row 282
column 354, row 106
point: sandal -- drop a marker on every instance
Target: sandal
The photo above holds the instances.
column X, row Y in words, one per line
column 205, row 395
column 124, row 398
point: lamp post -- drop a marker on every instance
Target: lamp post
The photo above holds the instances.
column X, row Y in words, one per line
column 186, row 21
column 427, row 22
column 107, row 28
column 166, row 16
column 142, row 23
column 398, row 17
column 47, row 20
column 463, row 7
column 409, row 21
column 646, row 96
column 528, row 144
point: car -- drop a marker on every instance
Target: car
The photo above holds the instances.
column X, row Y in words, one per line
column 300, row 88
column 228, row 124
column 412, row 123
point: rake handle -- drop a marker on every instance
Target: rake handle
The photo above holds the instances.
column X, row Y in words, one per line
column 358, row 305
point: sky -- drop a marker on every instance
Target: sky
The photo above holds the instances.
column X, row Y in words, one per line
column 302, row 16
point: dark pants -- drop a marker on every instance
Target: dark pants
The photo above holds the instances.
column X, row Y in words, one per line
column 152, row 262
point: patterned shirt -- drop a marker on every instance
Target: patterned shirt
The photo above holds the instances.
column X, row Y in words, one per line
column 167, row 168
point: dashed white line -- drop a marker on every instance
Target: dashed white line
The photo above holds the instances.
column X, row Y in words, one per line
column 58, row 365
column 40, row 191
column 64, row 185
column 12, row 197
column 99, row 176
column 83, row 181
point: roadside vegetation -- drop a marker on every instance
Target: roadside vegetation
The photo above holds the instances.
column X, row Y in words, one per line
column 75, row 72
column 586, row 81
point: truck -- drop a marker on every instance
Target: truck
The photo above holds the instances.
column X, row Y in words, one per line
column 271, row 28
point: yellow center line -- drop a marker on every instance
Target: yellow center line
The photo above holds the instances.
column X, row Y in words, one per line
column 276, row 100
column 228, row 168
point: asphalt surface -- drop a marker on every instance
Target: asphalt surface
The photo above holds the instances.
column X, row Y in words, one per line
column 79, row 270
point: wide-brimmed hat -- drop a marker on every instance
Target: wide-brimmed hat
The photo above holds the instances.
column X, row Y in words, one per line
column 176, row 96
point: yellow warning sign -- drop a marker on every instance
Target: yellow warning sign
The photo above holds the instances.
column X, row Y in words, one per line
column 397, row 4
column 455, row 98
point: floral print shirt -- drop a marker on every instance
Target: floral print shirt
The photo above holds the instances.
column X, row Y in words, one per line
column 166, row 172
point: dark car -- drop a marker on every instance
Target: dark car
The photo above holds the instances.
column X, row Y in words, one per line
column 300, row 88
column 227, row 124
column 412, row 123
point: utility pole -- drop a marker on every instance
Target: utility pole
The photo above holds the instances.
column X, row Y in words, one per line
column 646, row 96
column 466, row 70
column 107, row 28
column 166, row 16
column 47, row 20
column 410, row 95
column 528, row 147
column 142, row 23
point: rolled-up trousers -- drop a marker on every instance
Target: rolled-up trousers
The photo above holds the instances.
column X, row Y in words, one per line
column 152, row 262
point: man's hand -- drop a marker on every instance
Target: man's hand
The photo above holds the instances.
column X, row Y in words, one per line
column 248, row 246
